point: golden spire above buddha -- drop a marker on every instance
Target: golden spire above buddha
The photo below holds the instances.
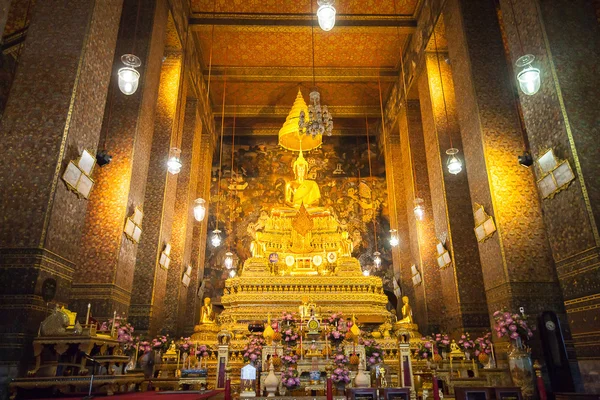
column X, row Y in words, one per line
column 289, row 136
column 301, row 190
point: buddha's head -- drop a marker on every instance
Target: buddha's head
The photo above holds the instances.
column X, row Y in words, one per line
column 207, row 301
column 405, row 299
column 300, row 167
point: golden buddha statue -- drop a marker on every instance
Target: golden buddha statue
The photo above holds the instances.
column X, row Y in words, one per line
column 207, row 315
column 301, row 190
column 346, row 246
column 407, row 316
column 257, row 247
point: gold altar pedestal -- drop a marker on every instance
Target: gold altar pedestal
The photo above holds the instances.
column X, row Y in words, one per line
column 206, row 333
column 311, row 258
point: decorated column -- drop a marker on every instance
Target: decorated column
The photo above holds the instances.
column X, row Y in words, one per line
column 456, row 252
column 107, row 256
column 53, row 114
column 563, row 116
column 516, row 260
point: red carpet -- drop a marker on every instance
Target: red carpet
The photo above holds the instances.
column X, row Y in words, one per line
column 153, row 395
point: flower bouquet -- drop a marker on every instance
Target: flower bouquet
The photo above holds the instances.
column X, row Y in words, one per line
column 161, row 343
column 483, row 348
column 425, row 349
column 511, row 325
column 442, row 343
column 253, row 350
column 373, row 351
column 290, row 378
column 289, row 358
column 340, row 374
column 185, row 345
column 466, row 345
column 338, row 328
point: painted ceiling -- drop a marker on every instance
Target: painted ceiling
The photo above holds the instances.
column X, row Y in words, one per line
column 265, row 59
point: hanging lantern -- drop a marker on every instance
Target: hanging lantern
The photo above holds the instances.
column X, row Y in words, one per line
column 232, row 273
column 326, row 14
column 174, row 163
column 394, row 241
column 528, row 76
column 377, row 259
column 129, row 77
column 419, row 209
column 215, row 239
column 454, row 165
column 366, row 272
column 199, row 209
column 228, row 260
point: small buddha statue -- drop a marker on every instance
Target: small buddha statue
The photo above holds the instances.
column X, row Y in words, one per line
column 257, row 247
column 454, row 349
column 346, row 246
column 304, row 308
column 301, row 190
column 172, row 349
column 207, row 315
column 407, row 316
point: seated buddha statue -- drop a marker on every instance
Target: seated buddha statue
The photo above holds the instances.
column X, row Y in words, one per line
column 207, row 315
column 407, row 316
column 301, row 190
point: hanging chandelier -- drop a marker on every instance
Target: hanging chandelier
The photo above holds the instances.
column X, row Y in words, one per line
column 228, row 262
column 199, row 209
column 319, row 120
column 377, row 259
column 454, row 164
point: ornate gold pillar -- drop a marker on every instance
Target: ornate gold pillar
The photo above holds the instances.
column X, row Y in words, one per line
column 565, row 39
column 150, row 276
column 465, row 309
column 53, row 113
column 422, row 233
column 106, row 262
column 516, row 260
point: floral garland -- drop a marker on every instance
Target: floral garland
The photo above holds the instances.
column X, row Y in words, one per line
column 511, row 325
column 290, row 378
column 253, row 350
column 373, row 351
column 341, row 373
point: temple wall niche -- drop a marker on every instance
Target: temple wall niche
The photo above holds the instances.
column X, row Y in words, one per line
column 261, row 169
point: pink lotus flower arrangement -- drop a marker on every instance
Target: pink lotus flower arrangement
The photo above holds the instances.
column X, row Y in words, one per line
column 442, row 342
column 511, row 325
column 201, row 350
column 145, row 347
column 483, row 345
column 185, row 345
column 290, row 378
column 161, row 343
column 465, row 343
column 341, row 373
column 289, row 358
column 338, row 328
column 253, row 350
column 425, row 349
column 373, row 351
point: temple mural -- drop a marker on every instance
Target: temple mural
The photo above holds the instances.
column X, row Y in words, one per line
column 261, row 169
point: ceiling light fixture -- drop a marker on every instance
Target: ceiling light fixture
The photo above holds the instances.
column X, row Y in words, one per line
column 419, row 209
column 215, row 239
column 377, row 259
column 394, row 241
column 318, row 121
column 174, row 164
column 326, row 14
column 453, row 163
column 199, row 209
column 528, row 76
column 129, row 77
column 228, row 262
